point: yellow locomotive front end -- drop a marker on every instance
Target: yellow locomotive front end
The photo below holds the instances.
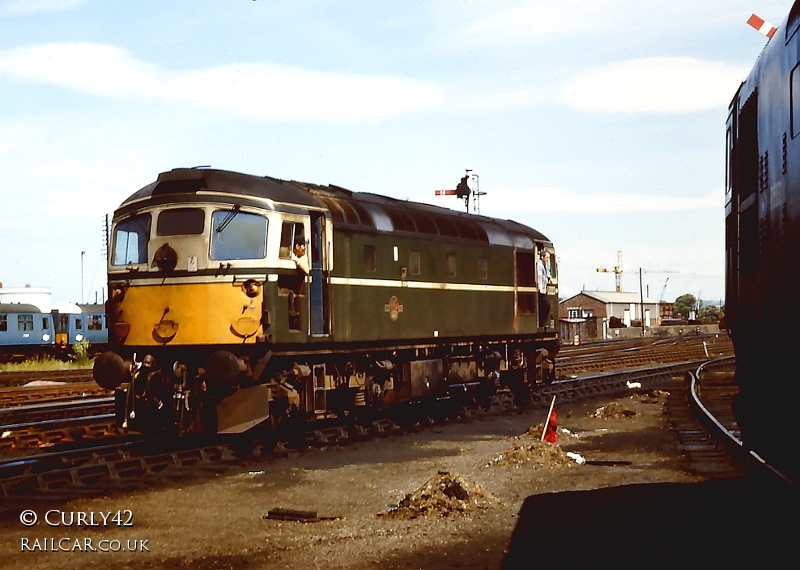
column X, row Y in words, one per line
column 202, row 285
column 190, row 264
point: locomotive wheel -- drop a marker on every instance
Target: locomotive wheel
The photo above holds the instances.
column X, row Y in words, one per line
column 287, row 426
column 522, row 396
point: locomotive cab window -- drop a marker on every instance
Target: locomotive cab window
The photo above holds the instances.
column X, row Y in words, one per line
column 238, row 235
column 290, row 231
column 181, row 221
column 130, row 240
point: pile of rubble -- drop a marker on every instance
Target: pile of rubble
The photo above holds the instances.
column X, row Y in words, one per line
column 535, row 455
column 442, row 495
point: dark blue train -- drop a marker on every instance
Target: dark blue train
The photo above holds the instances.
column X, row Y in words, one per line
column 27, row 331
column 762, row 219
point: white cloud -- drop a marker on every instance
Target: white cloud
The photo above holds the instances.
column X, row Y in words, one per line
column 564, row 200
column 655, row 85
column 261, row 91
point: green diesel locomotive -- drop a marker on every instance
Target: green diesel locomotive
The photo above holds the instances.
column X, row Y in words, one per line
column 239, row 300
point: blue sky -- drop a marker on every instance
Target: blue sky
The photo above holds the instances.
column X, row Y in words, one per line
column 601, row 124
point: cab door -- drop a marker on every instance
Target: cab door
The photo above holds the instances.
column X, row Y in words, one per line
column 319, row 291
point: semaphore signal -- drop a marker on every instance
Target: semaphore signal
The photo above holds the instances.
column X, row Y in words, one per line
column 464, row 190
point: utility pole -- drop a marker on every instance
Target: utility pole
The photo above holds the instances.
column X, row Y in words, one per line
column 83, row 278
column 641, row 292
column 641, row 301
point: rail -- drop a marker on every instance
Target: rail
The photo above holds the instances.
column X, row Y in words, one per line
column 722, row 435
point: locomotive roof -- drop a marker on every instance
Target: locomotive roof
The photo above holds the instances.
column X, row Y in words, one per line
column 361, row 210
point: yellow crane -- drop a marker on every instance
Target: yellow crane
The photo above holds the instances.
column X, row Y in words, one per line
column 617, row 272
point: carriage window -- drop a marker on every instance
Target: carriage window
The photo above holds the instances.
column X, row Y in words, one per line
column 414, row 262
column 3, row 323
column 25, row 322
column 181, row 221
column 451, row 264
column 237, row 235
column 130, row 240
column 369, row 258
column 290, row 231
column 95, row 322
column 45, row 323
column 78, row 324
column 483, row 268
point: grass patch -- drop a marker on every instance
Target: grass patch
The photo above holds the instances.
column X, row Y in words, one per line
column 46, row 363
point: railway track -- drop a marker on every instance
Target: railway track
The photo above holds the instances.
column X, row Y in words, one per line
column 121, row 465
column 20, row 378
column 23, row 428
column 709, row 393
column 80, row 459
column 643, row 355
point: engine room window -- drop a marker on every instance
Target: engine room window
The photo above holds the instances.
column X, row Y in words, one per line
column 289, row 232
column 483, row 268
column 181, row 221
column 370, row 258
column 451, row 264
column 237, row 235
column 130, row 240
column 25, row 322
column 414, row 262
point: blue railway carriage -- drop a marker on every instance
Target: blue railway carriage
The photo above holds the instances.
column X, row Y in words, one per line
column 80, row 322
column 762, row 221
column 237, row 300
column 24, row 331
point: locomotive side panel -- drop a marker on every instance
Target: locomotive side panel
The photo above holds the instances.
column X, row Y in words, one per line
column 399, row 287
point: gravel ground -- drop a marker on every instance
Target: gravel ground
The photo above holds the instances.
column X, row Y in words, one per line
column 371, row 499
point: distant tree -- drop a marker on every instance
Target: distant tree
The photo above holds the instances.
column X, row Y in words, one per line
column 709, row 313
column 684, row 304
